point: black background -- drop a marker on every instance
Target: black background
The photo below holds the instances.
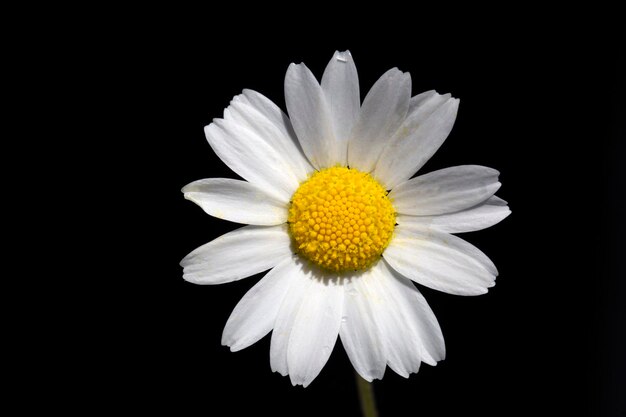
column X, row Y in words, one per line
column 540, row 102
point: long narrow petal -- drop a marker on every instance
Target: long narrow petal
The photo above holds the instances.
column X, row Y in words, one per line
column 340, row 84
column 301, row 282
column 479, row 217
column 445, row 191
column 267, row 120
column 315, row 331
column 419, row 318
column 440, row 261
column 310, row 116
column 252, row 157
column 384, row 109
column 401, row 347
column 237, row 254
column 428, row 124
column 359, row 332
column 255, row 314
column 237, row 201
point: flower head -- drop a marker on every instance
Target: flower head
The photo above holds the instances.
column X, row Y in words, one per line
column 335, row 215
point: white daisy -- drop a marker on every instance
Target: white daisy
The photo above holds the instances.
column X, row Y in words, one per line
column 342, row 250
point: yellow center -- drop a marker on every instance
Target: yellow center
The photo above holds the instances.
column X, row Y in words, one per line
column 341, row 219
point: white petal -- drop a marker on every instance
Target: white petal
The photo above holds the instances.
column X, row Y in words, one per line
column 417, row 101
column 310, row 116
column 476, row 218
column 430, row 120
column 497, row 201
column 401, row 346
column 359, row 332
column 251, row 157
column 445, row 191
column 237, row 254
column 237, row 201
column 255, row 315
column 383, row 111
column 266, row 119
column 419, row 318
column 315, row 330
column 301, row 282
column 340, row 84
column 440, row 261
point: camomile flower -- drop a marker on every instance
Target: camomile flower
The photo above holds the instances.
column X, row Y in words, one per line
column 335, row 216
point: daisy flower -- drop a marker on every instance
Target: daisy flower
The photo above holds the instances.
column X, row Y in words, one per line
column 335, row 216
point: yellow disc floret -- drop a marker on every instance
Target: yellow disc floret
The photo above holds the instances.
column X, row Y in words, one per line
column 341, row 219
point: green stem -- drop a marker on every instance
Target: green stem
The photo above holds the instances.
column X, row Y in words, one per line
column 366, row 397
